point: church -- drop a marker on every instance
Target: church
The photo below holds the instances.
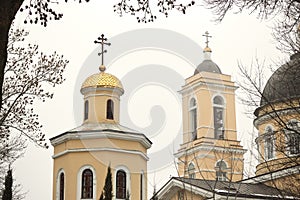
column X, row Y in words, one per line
column 210, row 159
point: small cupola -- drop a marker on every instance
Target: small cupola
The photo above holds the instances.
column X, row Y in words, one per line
column 102, row 93
column 207, row 64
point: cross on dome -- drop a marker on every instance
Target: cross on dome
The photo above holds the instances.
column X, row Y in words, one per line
column 102, row 40
column 207, row 49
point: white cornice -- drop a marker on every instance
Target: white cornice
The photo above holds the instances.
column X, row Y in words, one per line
column 272, row 115
column 209, row 148
column 187, row 89
column 101, row 149
column 100, row 135
column 274, row 175
column 93, row 90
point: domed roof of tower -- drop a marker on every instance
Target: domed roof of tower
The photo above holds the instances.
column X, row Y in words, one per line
column 207, row 65
column 102, row 79
column 284, row 83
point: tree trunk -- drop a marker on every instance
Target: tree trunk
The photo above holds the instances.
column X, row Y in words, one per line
column 8, row 10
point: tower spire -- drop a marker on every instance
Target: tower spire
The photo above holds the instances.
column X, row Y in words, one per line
column 207, row 49
column 102, row 40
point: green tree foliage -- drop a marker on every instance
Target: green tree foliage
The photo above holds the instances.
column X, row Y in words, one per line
column 107, row 193
column 7, row 193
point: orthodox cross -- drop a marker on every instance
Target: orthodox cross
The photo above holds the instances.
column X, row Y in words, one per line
column 207, row 36
column 102, row 40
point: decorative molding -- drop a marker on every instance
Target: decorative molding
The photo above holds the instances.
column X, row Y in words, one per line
column 210, row 87
column 145, row 157
column 273, row 175
column 104, row 134
column 273, row 114
column 209, row 148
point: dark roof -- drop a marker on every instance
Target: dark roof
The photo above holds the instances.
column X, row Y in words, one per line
column 208, row 66
column 284, row 83
column 237, row 189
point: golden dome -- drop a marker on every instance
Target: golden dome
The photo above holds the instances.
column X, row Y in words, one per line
column 206, row 49
column 102, row 79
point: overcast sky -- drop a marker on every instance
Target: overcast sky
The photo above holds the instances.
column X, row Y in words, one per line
column 239, row 37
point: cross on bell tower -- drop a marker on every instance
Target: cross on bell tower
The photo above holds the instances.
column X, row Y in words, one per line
column 102, row 40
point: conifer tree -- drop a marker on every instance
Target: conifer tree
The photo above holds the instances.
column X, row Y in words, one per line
column 7, row 193
column 107, row 189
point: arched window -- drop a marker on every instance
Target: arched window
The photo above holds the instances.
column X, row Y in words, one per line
column 269, row 143
column 121, row 184
column 193, row 118
column 86, row 110
column 293, row 137
column 61, row 186
column 191, row 170
column 87, row 184
column 221, row 168
column 110, row 109
column 218, row 109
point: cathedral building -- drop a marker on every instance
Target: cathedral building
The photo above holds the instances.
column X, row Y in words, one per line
column 83, row 154
column 278, row 124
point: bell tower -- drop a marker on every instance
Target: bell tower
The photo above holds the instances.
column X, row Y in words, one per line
column 210, row 149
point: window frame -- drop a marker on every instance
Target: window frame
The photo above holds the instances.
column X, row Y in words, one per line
column 86, row 110
column 221, row 172
column 295, row 134
column 193, row 115
column 110, row 109
column 122, row 186
column 58, row 185
column 191, row 170
column 128, row 181
column 219, row 133
column 79, row 182
column 269, row 143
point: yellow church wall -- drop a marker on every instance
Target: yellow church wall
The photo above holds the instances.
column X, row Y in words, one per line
column 72, row 162
column 278, row 122
column 290, row 184
column 205, row 164
column 205, row 124
column 94, row 143
column 98, row 103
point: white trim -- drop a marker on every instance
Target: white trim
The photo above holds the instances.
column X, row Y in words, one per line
column 191, row 87
column 104, row 134
column 61, row 171
column 93, row 90
column 128, row 180
column 273, row 175
column 144, row 156
column 79, row 182
column 273, row 114
column 220, row 95
column 209, row 148
column 269, row 135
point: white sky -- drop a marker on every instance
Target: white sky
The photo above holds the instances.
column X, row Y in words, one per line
column 238, row 38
